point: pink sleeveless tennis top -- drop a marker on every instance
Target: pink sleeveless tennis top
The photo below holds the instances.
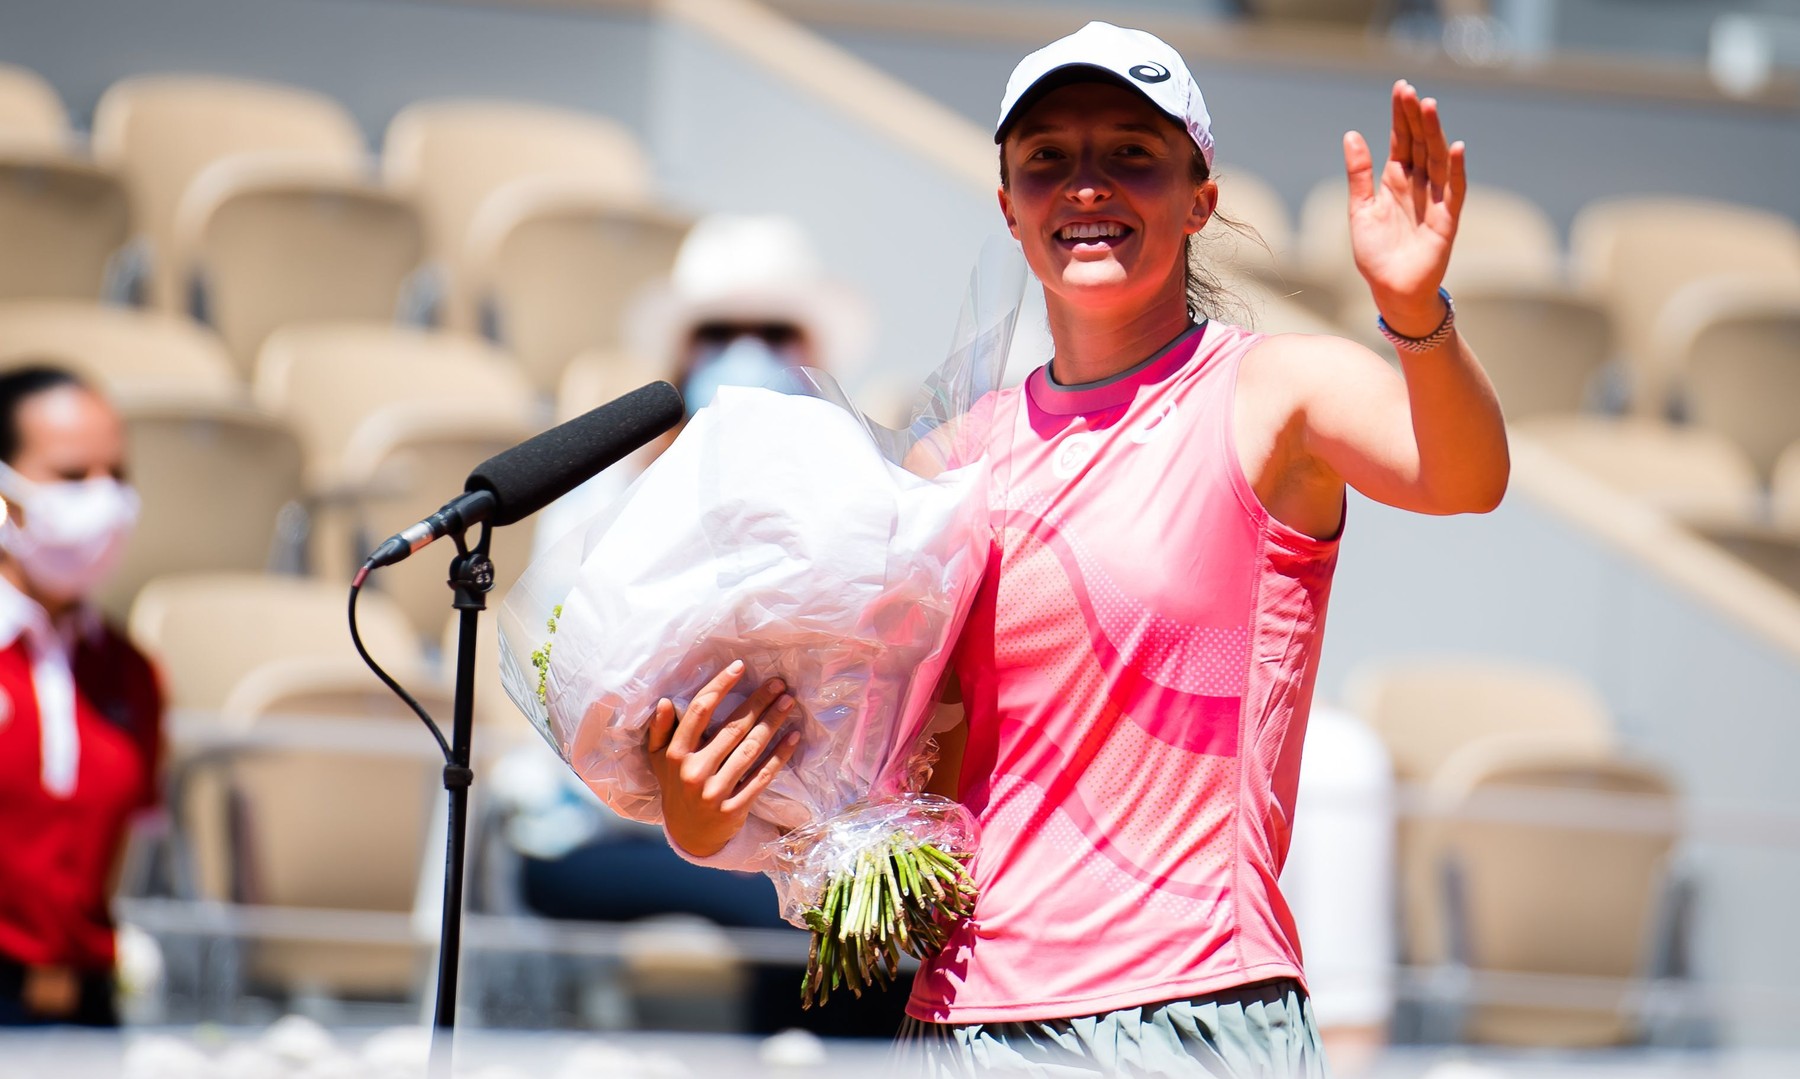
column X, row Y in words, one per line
column 1137, row 670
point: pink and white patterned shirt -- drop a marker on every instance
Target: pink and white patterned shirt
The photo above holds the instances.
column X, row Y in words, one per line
column 1137, row 671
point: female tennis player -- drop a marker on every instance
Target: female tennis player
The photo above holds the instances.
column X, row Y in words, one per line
column 1138, row 666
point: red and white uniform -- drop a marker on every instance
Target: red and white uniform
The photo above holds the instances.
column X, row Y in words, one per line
column 80, row 718
column 1136, row 670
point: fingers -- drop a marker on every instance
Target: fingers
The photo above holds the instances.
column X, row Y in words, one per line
column 699, row 711
column 1459, row 179
column 662, row 726
column 726, row 738
column 1359, row 168
column 1400, row 134
column 764, row 775
column 1437, row 148
column 750, row 750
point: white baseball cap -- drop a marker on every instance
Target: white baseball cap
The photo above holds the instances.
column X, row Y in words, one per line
column 1142, row 61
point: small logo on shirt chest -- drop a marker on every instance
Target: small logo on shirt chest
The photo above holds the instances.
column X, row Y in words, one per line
column 1074, row 454
column 1158, row 422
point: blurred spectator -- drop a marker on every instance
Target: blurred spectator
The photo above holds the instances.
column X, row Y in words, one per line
column 80, row 711
column 747, row 300
column 1339, row 882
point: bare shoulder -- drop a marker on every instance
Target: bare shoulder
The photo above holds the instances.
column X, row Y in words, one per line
column 1309, row 355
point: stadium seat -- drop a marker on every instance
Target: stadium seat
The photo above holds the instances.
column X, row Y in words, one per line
column 1693, row 474
column 160, row 131
column 393, row 419
column 1635, row 253
column 273, row 243
column 1541, row 345
column 341, row 825
column 500, row 724
column 1425, row 711
column 451, row 155
column 1732, row 347
column 62, row 220
column 558, row 265
column 1784, row 491
column 125, row 351
column 1501, row 235
column 1248, row 200
column 31, row 111
column 208, row 630
column 215, row 478
column 1555, row 861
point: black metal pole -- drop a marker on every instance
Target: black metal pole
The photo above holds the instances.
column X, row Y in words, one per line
column 471, row 576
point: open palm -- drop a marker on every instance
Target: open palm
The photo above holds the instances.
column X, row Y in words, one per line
column 1403, row 221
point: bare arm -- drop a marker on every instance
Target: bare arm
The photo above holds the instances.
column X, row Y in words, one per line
column 1431, row 439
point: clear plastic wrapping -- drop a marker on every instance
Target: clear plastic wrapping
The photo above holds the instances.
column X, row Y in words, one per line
column 785, row 530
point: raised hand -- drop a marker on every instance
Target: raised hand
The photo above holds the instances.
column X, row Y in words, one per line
column 1403, row 221
column 708, row 784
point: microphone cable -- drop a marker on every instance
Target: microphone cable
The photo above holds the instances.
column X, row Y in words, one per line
column 387, row 679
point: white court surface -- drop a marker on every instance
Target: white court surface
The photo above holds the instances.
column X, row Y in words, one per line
column 311, row 1052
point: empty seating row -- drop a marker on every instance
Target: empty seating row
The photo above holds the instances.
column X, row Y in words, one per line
column 1536, row 846
column 253, row 203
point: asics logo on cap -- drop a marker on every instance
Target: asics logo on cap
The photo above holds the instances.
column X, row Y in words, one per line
column 1150, row 73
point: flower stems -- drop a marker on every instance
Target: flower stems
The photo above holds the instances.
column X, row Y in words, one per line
column 900, row 896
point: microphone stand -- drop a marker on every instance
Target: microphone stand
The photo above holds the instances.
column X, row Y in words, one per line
column 471, row 577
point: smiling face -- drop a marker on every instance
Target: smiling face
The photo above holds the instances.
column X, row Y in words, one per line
column 1101, row 193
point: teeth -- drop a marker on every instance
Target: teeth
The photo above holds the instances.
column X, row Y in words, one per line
column 1091, row 230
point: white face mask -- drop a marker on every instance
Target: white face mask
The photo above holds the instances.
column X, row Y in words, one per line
column 746, row 361
column 74, row 531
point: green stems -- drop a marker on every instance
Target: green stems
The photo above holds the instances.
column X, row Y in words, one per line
column 901, row 896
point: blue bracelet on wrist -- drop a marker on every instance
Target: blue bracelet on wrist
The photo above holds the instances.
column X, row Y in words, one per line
column 1430, row 341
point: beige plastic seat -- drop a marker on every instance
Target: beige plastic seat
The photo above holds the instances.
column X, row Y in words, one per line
column 214, row 477
column 277, row 243
column 128, row 352
column 1249, row 200
column 1501, row 234
column 1693, row 474
column 31, row 111
column 1541, row 345
column 558, row 265
column 208, row 631
column 393, row 420
column 1636, row 253
column 160, row 131
column 1733, row 347
column 1784, row 491
column 341, row 825
column 499, row 723
column 600, row 375
column 1561, row 856
column 1426, row 710
column 62, row 220
column 450, row 155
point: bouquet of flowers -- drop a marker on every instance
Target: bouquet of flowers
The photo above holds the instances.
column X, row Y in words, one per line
column 784, row 530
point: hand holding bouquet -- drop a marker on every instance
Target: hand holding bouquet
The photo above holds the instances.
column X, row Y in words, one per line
column 774, row 534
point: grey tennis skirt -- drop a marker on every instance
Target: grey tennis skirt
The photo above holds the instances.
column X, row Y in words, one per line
column 1260, row 1031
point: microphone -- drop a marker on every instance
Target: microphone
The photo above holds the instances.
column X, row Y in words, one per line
column 517, row 482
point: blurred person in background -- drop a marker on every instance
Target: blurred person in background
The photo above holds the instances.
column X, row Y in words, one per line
column 1138, row 666
column 747, row 300
column 1339, row 883
column 80, row 708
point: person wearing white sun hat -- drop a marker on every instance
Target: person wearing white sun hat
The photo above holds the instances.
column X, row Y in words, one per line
column 1138, row 666
column 748, row 297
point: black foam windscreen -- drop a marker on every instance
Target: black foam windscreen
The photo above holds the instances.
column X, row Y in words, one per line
column 540, row 470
